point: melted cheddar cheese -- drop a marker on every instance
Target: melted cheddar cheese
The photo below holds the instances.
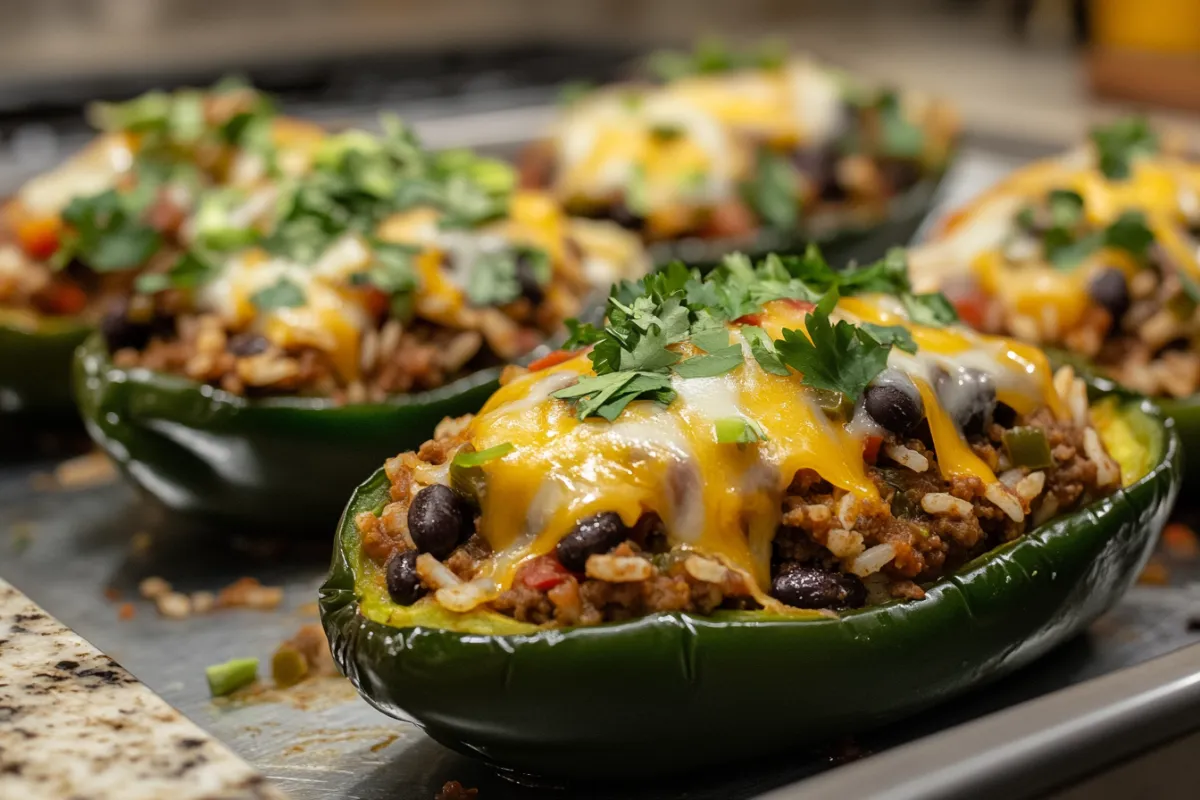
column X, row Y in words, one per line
column 721, row 500
column 972, row 241
column 690, row 142
column 336, row 313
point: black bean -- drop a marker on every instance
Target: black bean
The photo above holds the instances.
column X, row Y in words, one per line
column 809, row 587
column 969, row 395
column 894, row 408
column 593, row 535
column 527, row 279
column 120, row 331
column 1109, row 289
column 819, row 164
column 438, row 520
column 403, row 582
column 248, row 344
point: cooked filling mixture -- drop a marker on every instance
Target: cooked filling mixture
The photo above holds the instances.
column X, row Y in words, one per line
column 726, row 144
column 1094, row 252
column 776, row 436
column 349, row 265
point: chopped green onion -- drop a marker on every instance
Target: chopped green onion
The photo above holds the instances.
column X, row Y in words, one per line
column 738, row 430
column 1028, row 447
column 227, row 678
column 476, row 458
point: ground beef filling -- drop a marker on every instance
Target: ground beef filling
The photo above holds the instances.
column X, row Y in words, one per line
column 165, row 334
column 831, row 551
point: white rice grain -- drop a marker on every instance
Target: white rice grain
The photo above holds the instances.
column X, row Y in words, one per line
column 907, row 457
column 1029, row 487
column 1107, row 471
column 618, row 569
column 945, row 504
column 436, row 574
column 872, row 560
column 847, row 510
column 843, row 543
column 461, row 598
column 1002, row 497
column 704, row 569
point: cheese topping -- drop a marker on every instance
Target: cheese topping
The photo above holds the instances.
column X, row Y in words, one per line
column 335, row 312
column 720, row 499
column 690, row 142
column 979, row 239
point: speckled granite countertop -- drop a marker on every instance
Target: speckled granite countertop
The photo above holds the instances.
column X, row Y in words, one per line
column 74, row 724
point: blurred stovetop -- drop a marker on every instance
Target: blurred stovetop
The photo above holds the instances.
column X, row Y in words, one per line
column 41, row 124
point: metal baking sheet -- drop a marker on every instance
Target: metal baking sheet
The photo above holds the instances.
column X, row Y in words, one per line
column 74, row 550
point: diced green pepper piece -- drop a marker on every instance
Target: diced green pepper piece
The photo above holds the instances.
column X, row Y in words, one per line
column 1028, row 447
column 836, row 405
column 227, row 678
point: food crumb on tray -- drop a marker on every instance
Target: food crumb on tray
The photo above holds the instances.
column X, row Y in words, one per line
column 453, row 790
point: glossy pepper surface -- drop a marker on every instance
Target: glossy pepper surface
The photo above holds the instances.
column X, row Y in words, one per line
column 35, row 366
column 278, row 464
column 671, row 692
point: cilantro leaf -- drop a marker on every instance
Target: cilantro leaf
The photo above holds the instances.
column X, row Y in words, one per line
column 1066, row 208
column 649, row 353
column 738, row 430
column 717, row 363
column 893, row 335
column 284, row 293
column 932, row 309
column 189, row 271
column 708, row 333
column 105, row 234
column 763, row 350
column 493, row 279
column 581, row 334
column 841, row 358
column 1066, row 254
column 774, row 190
column 607, row 395
column 1118, row 144
column 900, row 138
column 1130, row 233
column 477, row 458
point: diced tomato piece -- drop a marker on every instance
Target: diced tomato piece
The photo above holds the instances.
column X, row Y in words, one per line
column 749, row 319
column 39, row 236
column 972, row 307
column 376, row 301
column 1179, row 541
column 552, row 359
column 871, row 447
column 542, row 573
column 63, row 298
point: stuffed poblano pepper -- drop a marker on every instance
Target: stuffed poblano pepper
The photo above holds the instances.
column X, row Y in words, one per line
column 720, row 149
column 73, row 240
column 778, row 499
column 1093, row 255
column 313, row 325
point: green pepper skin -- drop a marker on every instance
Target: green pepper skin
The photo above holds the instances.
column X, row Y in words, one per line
column 861, row 242
column 35, row 368
column 670, row 692
column 278, row 465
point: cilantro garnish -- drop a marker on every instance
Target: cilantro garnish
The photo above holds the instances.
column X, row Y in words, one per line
column 838, row 357
column 773, row 192
column 189, row 271
column 476, row 458
column 1129, row 232
column 106, row 233
column 931, row 309
column 711, row 56
column 284, row 293
column 638, row 353
column 900, row 138
column 495, row 276
column 1118, row 144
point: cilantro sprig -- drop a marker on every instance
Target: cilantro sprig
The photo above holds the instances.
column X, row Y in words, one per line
column 1118, row 144
column 676, row 324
